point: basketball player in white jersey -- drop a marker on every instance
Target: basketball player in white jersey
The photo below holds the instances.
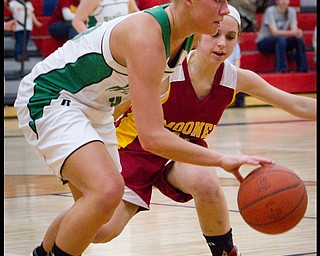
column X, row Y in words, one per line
column 65, row 106
column 182, row 182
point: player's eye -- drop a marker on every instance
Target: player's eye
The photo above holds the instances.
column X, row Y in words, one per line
column 230, row 37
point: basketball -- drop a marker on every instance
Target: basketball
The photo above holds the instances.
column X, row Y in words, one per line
column 272, row 199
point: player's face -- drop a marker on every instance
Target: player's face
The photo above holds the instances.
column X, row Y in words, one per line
column 208, row 14
column 219, row 47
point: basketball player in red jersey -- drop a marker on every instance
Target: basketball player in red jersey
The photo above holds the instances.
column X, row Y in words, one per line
column 199, row 92
column 209, row 85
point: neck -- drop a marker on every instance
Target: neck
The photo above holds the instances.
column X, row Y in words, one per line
column 201, row 75
column 202, row 66
column 180, row 30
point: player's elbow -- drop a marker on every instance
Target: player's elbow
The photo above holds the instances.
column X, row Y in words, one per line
column 151, row 142
column 307, row 109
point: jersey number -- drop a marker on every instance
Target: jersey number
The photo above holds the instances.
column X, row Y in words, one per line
column 115, row 101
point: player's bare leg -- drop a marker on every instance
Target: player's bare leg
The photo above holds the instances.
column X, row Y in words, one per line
column 93, row 173
column 212, row 209
column 122, row 215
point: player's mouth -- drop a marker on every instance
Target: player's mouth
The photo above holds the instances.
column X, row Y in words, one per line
column 220, row 54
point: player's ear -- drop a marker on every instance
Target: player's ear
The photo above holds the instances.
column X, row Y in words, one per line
column 188, row 3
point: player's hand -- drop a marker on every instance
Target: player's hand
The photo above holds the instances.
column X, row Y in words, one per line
column 232, row 163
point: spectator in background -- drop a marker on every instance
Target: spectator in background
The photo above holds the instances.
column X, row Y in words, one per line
column 247, row 10
column 234, row 58
column 18, row 9
column 60, row 26
column 10, row 25
column 92, row 12
column 279, row 34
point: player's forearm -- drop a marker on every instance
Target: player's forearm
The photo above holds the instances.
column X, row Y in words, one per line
column 170, row 146
column 306, row 108
column 79, row 25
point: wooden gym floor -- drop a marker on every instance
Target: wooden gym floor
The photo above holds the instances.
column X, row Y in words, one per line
column 33, row 197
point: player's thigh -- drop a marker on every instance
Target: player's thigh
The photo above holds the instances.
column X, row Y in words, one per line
column 76, row 151
column 91, row 167
column 188, row 177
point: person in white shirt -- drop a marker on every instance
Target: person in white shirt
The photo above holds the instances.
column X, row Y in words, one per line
column 93, row 12
column 24, row 26
column 235, row 59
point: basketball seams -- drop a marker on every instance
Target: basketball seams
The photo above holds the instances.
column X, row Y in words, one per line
column 269, row 195
column 283, row 217
column 253, row 175
column 272, row 199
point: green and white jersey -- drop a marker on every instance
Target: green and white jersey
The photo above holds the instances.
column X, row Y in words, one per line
column 84, row 70
column 107, row 10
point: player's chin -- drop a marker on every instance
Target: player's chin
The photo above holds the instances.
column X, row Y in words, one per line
column 215, row 27
column 210, row 29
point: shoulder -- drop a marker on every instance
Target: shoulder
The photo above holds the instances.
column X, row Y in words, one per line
column 178, row 75
column 271, row 10
column 141, row 27
column 12, row 3
column 230, row 75
column 269, row 13
column 247, row 79
column 229, row 68
column 292, row 10
column 136, row 36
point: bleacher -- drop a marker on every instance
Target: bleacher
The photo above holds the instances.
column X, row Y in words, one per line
column 264, row 63
column 45, row 43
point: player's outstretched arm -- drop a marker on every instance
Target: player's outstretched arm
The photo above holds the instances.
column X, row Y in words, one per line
column 254, row 85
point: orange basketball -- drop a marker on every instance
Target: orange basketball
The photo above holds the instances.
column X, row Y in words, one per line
column 272, row 199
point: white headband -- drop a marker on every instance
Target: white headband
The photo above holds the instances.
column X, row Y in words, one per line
column 234, row 14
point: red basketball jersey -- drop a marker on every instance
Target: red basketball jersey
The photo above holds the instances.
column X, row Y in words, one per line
column 184, row 113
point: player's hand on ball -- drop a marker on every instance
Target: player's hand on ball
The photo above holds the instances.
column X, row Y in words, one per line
column 232, row 163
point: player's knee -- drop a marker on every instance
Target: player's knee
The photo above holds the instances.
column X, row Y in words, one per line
column 108, row 197
column 207, row 188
